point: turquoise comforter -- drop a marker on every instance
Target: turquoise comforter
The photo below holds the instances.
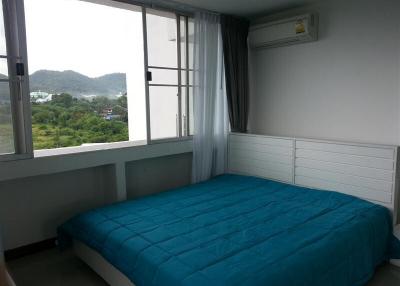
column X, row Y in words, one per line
column 238, row 230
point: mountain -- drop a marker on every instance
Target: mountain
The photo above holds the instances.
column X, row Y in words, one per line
column 77, row 84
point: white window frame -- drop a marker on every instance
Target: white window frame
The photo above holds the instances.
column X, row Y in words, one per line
column 181, row 135
column 14, row 25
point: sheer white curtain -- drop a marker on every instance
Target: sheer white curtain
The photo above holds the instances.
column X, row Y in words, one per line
column 211, row 121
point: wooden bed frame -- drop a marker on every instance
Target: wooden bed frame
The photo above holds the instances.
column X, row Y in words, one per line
column 363, row 170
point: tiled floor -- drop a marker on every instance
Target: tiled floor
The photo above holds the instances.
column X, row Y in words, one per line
column 52, row 268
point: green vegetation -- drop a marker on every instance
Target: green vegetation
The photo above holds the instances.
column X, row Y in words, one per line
column 67, row 121
column 6, row 131
column 6, row 138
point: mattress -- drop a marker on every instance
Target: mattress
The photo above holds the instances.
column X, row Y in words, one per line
column 239, row 230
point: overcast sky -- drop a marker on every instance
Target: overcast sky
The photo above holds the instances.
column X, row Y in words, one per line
column 75, row 35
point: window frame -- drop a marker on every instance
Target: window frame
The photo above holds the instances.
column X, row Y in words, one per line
column 183, row 133
column 15, row 33
column 14, row 27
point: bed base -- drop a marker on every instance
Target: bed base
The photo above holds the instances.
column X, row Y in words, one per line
column 101, row 266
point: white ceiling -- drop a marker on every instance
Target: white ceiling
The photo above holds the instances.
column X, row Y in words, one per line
column 245, row 8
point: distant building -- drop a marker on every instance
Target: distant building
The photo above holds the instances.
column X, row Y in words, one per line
column 107, row 114
column 40, row 96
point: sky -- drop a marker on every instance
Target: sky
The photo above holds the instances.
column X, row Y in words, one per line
column 89, row 38
column 3, row 62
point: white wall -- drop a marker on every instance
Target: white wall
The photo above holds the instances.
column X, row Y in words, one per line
column 32, row 208
column 343, row 87
column 158, row 174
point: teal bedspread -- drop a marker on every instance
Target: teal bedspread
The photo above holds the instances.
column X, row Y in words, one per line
column 238, row 230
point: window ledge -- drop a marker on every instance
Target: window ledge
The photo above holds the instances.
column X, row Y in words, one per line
column 103, row 146
column 73, row 158
column 87, row 148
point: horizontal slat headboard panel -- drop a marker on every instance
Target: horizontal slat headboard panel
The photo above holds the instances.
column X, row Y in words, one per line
column 365, row 171
column 263, row 156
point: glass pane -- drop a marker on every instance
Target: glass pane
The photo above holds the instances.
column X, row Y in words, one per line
column 184, row 111
column 191, row 41
column 3, row 69
column 183, row 41
column 6, row 126
column 161, row 38
column 163, row 112
column 83, row 90
column 183, row 77
column 190, row 77
column 3, row 47
column 163, row 76
column 191, row 122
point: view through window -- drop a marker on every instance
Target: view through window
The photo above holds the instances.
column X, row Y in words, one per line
column 6, row 125
column 85, row 63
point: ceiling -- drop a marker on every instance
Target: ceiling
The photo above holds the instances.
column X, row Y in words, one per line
column 244, row 8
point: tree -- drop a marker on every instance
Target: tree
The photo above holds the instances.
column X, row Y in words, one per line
column 123, row 101
column 66, row 121
column 43, row 116
column 63, row 99
column 99, row 103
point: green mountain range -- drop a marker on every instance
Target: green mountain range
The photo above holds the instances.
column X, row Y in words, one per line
column 77, row 84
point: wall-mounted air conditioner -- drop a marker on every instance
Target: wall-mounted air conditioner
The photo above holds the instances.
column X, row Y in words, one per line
column 289, row 31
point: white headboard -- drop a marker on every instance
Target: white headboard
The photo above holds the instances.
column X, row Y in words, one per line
column 362, row 170
column 263, row 156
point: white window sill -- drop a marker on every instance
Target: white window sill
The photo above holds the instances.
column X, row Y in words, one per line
column 87, row 148
column 73, row 158
column 103, row 146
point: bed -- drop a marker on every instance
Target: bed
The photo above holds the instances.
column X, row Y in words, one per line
column 239, row 230
column 243, row 230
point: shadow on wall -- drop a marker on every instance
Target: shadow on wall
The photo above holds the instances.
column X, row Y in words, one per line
column 151, row 176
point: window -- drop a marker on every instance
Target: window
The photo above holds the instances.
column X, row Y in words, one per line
column 169, row 73
column 15, row 136
column 84, row 72
column 122, row 74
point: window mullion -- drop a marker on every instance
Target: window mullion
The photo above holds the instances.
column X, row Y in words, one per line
column 10, row 36
column 187, row 129
column 146, row 63
column 14, row 25
column 178, row 36
column 23, row 81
